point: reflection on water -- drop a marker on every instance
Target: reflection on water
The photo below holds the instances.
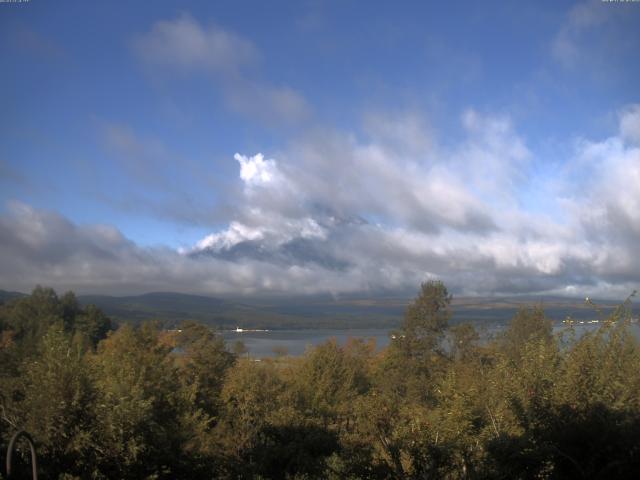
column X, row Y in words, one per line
column 294, row 342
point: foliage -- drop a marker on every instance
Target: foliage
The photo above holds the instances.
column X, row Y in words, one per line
column 143, row 402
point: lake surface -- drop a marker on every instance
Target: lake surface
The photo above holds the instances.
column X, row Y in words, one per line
column 262, row 344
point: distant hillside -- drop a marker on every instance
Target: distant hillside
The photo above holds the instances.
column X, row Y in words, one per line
column 321, row 311
column 318, row 311
column 502, row 309
column 172, row 308
column 165, row 306
column 5, row 296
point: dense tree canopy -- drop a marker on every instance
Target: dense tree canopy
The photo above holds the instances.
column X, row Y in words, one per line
column 144, row 402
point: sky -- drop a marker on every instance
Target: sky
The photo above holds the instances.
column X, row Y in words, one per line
column 304, row 147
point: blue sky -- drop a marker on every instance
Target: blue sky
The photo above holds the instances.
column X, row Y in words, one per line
column 490, row 144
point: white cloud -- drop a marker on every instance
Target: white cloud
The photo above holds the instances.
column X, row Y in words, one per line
column 267, row 103
column 256, row 170
column 596, row 35
column 335, row 213
column 456, row 214
column 630, row 124
column 611, row 208
column 408, row 132
column 429, row 188
column 186, row 46
column 235, row 234
column 566, row 47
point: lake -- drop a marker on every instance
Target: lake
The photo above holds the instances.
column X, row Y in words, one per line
column 263, row 343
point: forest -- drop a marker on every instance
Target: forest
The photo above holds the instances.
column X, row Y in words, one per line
column 142, row 402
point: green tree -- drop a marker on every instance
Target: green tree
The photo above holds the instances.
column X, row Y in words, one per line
column 139, row 401
column 58, row 405
column 329, row 381
column 92, row 323
column 251, row 399
column 30, row 317
column 529, row 324
column 426, row 319
column 464, row 342
column 203, row 363
column 416, row 355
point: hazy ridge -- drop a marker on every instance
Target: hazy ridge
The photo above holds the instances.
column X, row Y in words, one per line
column 319, row 311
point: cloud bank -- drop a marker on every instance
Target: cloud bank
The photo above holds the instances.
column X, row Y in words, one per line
column 382, row 211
